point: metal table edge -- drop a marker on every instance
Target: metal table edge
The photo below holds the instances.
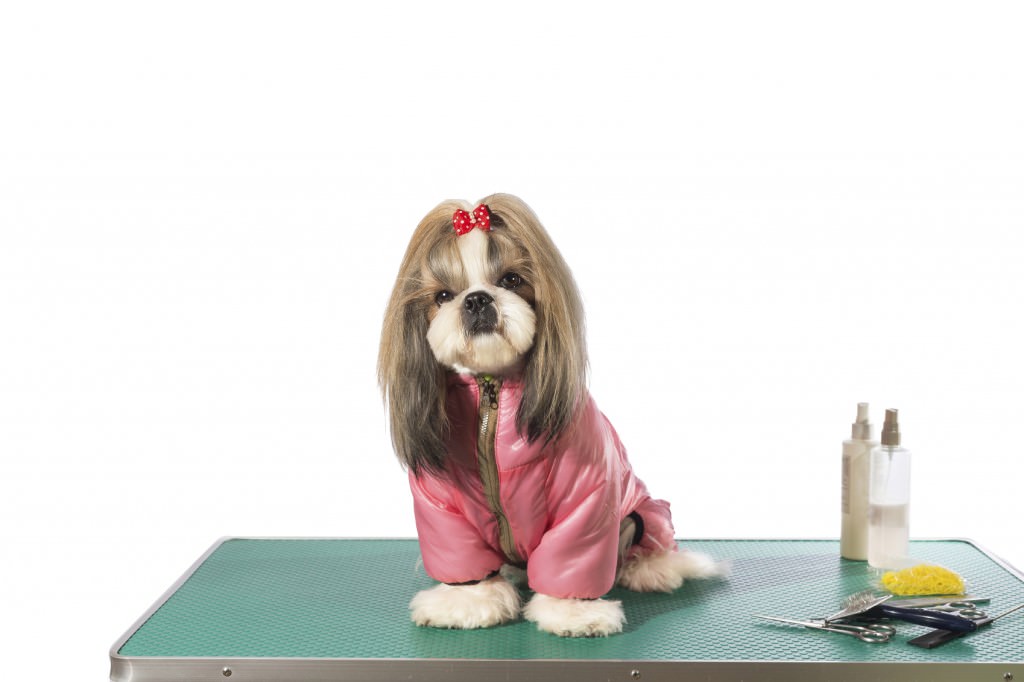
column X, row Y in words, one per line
column 512, row 670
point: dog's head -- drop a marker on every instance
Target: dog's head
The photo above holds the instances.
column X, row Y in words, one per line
column 480, row 290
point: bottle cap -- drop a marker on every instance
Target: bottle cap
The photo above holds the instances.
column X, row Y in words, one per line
column 862, row 427
column 891, row 428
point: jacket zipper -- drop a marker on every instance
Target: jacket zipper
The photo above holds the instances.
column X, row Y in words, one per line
column 487, row 462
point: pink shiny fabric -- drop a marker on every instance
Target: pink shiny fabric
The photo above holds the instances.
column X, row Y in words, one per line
column 564, row 502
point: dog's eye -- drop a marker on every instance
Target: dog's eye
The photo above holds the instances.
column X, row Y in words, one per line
column 443, row 297
column 510, row 280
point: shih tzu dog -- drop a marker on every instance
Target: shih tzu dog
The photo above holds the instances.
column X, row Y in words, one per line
column 482, row 364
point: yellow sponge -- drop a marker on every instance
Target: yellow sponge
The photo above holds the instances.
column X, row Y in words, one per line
column 923, row 579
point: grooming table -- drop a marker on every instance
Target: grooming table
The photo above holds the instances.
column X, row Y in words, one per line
column 256, row 610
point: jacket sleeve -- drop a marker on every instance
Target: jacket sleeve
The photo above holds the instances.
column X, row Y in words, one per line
column 577, row 556
column 452, row 549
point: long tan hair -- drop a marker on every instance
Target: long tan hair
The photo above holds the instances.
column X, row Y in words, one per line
column 413, row 381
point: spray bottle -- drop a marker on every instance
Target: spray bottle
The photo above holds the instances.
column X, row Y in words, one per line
column 853, row 538
column 889, row 499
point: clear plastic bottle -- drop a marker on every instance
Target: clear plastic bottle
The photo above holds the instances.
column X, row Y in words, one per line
column 853, row 536
column 889, row 499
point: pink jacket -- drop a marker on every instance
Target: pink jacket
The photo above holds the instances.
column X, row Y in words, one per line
column 556, row 508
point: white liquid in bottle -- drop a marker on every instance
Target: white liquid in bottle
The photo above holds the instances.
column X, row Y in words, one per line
column 889, row 534
column 889, row 499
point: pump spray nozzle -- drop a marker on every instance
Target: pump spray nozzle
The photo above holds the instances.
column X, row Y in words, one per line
column 891, row 428
column 862, row 427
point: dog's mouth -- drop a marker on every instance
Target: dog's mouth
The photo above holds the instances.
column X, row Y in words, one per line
column 484, row 322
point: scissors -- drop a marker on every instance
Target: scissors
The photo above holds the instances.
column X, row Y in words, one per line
column 966, row 607
column 873, row 632
column 962, row 608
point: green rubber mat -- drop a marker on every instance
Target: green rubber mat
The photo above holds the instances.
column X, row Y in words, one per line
column 324, row 602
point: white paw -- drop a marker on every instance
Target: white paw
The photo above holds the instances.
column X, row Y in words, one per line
column 575, row 617
column 665, row 571
column 489, row 602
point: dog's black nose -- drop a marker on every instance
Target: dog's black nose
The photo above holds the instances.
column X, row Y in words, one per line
column 477, row 301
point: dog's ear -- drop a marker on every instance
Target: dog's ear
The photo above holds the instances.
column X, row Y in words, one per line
column 411, row 379
column 552, row 389
column 555, row 375
column 414, row 389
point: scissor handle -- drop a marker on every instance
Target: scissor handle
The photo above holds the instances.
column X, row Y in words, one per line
column 972, row 613
column 966, row 609
column 880, row 627
column 865, row 634
column 862, row 625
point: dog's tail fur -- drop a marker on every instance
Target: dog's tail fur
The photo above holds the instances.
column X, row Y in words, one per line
column 666, row 571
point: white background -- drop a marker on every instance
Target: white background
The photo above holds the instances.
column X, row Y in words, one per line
column 774, row 211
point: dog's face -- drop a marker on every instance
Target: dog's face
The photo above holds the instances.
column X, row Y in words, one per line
column 481, row 319
column 493, row 297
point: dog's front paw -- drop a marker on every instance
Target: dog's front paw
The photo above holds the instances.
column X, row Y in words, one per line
column 489, row 602
column 576, row 617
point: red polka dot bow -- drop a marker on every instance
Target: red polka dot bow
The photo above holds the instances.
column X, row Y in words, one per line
column 464, row 222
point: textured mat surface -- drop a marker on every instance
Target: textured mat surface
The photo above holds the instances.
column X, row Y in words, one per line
column 348, row 599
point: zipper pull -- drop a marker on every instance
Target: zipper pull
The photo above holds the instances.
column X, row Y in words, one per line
column 491, row 391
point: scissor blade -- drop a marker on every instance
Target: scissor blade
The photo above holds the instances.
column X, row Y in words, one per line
column 803, row 623
column 938, row 600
